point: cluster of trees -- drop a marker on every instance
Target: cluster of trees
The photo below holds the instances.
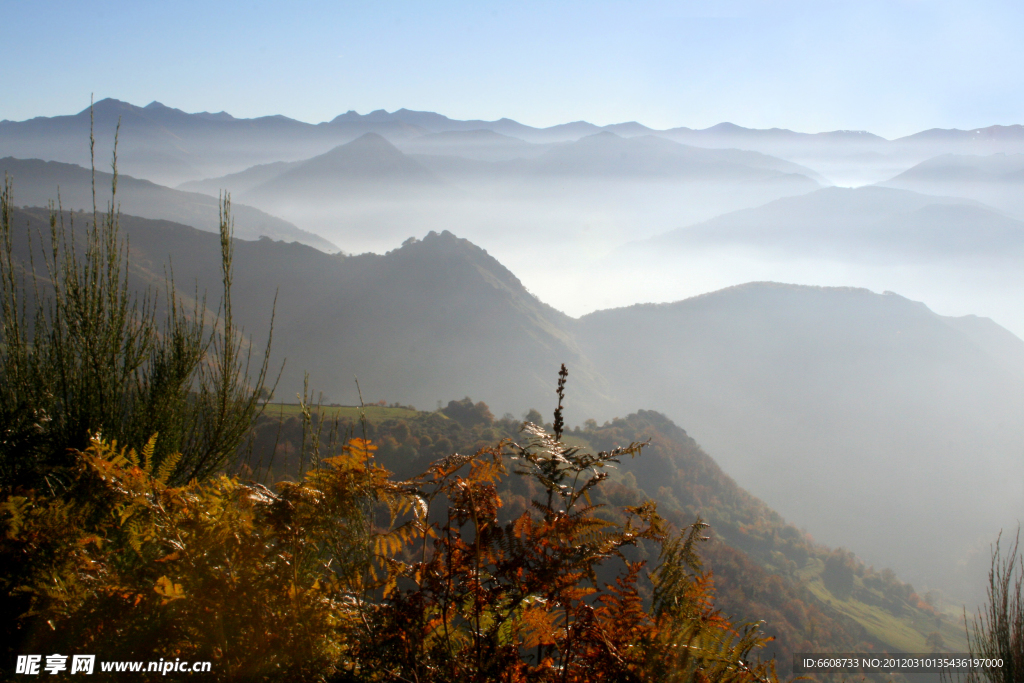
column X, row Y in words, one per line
column 125, row 535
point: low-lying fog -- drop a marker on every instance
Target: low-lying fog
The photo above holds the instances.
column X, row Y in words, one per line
column 608, row 221
column 588, row 255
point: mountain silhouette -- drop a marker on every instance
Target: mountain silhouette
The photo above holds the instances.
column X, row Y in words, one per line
column 874, row 223
column 36, row 182
column 368, row 165
column 996, row 180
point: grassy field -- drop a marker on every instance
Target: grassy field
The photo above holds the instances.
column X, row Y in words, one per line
column 378, row 414
column 373, row 413
column 906, row 633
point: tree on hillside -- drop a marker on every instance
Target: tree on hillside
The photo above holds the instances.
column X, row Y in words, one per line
column 838, row 575
column 467, row 413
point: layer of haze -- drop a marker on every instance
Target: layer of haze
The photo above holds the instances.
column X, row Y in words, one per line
column 892, row 67
column 579, row 237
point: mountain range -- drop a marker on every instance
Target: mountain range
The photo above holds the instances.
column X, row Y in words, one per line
column 367, row 192
column 864, row 418
column 365, row 182
column 169, row 146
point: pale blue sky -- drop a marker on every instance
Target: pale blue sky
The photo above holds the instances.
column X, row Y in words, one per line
column 891, row 67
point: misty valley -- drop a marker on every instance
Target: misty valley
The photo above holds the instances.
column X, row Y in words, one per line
column 314, row 371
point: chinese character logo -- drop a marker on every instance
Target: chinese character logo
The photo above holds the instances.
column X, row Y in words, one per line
column 28, row 664
column 82, row 664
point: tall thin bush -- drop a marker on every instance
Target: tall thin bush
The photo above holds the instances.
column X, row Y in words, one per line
column 997, row 631
column 82, row 352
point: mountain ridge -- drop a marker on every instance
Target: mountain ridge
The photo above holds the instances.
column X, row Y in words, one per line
column 871, row 222
column 36, row 182
column 172, row 147
column 997, row 179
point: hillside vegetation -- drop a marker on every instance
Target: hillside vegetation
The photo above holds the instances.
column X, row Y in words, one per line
column 811, row 598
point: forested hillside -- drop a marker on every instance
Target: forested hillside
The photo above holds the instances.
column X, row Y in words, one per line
column 810, row 597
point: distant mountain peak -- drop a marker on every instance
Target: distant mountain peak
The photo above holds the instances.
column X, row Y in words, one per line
column 368, row 159
column 350, row 115
column 629, row 127
column 371, row 140
column 365, row 142
column 109, row 104
column 726, row 127
column 446, row 244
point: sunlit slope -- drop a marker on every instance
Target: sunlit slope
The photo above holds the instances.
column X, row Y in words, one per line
column 764, row 565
